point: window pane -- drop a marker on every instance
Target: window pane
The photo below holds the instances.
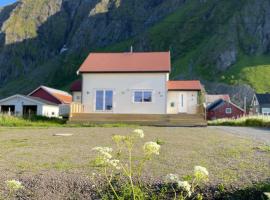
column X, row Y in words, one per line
column 138, row 97
column 147, row 97
column 99, row 99
column 108, row 100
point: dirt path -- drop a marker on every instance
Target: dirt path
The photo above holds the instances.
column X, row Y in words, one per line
column 259, row 134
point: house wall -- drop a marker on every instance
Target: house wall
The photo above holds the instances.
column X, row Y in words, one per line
column 41, row 93
column 77, row 97
column 265, row 109
column 123, row 85
column 190, row 101
column 220, row 112
column 255, row 107
column 18, row 102
column 50, row 111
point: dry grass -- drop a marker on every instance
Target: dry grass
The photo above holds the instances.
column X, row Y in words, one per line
column 230, row 159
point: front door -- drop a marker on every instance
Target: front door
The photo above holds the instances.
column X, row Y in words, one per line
column 182, row 103
column 104, row 100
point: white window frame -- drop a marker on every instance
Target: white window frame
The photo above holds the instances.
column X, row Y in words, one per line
column 104, row 96
column 142, row 102
column 228, row 112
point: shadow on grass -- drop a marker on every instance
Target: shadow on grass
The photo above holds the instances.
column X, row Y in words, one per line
column 256, row 192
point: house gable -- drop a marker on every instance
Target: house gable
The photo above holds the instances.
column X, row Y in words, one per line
column 43, row 94
column 52, row 95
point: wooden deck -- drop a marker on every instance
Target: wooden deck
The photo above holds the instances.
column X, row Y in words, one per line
column 179, row 120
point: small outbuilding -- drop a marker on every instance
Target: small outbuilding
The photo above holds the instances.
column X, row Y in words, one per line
column 261, row 104
column 21, row 105
column 223, row 109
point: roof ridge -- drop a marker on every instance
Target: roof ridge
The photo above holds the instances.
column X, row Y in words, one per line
column 55, row 90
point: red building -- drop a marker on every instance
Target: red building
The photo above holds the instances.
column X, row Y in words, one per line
column 223, row 109
column 52, row 95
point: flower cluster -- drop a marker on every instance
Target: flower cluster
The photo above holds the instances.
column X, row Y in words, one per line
column 118, row 138
column 185, row 186
column 201, row 173
column 139, row 133
column 105, row 157
column 14, row 185
column 172, row 178
column 151, row 148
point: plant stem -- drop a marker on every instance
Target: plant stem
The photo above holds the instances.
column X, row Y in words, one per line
column 130, row 174
column 109, row 181
column 174, row 192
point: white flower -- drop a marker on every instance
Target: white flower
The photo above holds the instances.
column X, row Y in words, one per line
column 201, row 172
column 139, row 133
column 114, row 163
column 14, row 185
column 151, row 148
column 104, row 151
column 184, row 185
column 172, row 178
column 118, row 138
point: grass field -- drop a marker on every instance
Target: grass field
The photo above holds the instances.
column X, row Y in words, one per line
column 248, row 121
column 231, row 160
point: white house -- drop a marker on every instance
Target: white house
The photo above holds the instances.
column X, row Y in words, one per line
column 21, row 105
column 135, row 83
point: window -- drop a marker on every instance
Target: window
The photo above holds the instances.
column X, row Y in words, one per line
column 172, row 104
column 143, row 96
column 52, row 113
column 78, row 97
column 228, row 111
column 104, row 100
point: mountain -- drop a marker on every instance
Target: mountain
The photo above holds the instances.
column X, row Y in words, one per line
column 224, row 43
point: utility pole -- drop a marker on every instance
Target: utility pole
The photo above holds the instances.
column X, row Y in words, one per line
column 245, row 104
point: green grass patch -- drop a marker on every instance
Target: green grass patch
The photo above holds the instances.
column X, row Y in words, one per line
column 34, row 121
column 253, row 70
column 255, row 121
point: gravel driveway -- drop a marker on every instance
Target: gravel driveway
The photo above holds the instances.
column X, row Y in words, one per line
column 259, row 134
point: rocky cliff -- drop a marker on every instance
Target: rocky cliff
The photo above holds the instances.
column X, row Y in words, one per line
column 220, row 41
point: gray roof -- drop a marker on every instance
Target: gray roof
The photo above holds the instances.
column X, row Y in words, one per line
column 263, row 98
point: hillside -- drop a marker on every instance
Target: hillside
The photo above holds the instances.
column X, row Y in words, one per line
column 224, row 43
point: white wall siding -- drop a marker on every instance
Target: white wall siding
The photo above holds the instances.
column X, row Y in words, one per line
column 124, row 85
column 190, row 101
column 77, row 97
column 50, row 111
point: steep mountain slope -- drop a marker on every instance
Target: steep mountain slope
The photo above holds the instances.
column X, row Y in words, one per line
column 221, row 41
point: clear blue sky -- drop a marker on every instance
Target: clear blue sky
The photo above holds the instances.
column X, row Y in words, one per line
column 6, row 2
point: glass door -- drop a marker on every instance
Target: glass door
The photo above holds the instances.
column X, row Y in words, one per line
column 104, row 100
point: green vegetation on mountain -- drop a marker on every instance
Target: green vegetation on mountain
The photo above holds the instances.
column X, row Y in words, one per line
column 223, row 41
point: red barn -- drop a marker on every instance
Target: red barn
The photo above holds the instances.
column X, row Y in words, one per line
column 52, row 95
column 223, row 109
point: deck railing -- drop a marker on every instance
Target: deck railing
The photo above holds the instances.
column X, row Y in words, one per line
column 76, row 108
